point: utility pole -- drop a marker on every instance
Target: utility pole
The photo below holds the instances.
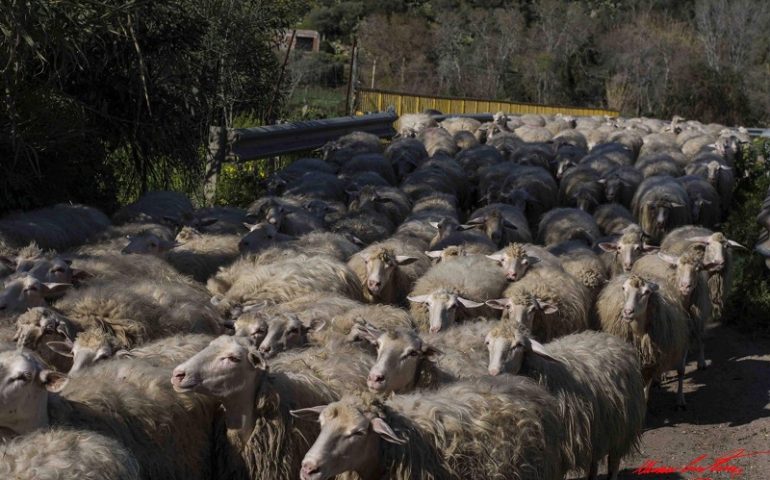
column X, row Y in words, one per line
column 351, row 78
column 374, row 71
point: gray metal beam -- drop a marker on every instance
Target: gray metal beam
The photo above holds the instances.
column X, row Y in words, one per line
column 272, row 140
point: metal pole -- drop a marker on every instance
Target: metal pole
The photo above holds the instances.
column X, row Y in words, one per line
column 269, row 117
column 374, row 71
column 349, row 95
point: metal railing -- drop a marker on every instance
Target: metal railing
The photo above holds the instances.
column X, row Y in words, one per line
column 372, row 100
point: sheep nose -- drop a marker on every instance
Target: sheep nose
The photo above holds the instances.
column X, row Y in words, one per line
column 309, row 467
column 627, row 267
column 272, row 221
column 434, row 329
column 374, row 283
column 494, row 371
column 178, row 376
column 376, row 377
column 628, row 312
column 512, row 275
column 265, row 349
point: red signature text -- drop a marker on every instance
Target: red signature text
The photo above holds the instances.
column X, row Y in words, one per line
column 700, row 465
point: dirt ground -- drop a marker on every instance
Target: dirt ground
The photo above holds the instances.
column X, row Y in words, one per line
column 728, row 409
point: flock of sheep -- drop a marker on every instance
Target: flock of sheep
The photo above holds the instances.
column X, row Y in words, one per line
column 470, row 301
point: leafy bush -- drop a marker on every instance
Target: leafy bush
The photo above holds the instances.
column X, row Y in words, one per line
column 749, row 303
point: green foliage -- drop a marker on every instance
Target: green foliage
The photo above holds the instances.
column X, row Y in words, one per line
column 125, row 91
column 750, row 300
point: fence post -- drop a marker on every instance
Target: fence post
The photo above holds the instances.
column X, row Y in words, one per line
column 215, row 156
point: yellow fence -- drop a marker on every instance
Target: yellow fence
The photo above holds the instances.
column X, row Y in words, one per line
column 379, row 100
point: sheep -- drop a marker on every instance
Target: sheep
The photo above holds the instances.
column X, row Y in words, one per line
column 65, row 454
column 454, row 251
column 276, row 183
column 580, row 188
column 540, row 154
column 290, row 220
column 596, row 380
column 114, row 238
column 199, row 257
column 620, row 254
column 582, row 263
column 465, row 140
column 318, row 186
column 428, row 181
column 387, row 270
column 660, row 205
column 291, row 324
column 548, row 301
column 388, row 201
column 453, row 125
column 617, row 152
column 684, row 274
column 530, row 133
column 282, row 281
column 502, row 223
column 647, row 314
column 564, row 224
column 108, row 318
column 116, row 266
column 370, row 162
column 263, row 440
column 366, row 226
column 450, row 233
column 473, row 160
column 717, row 261
column 516, row 259
column 405, row 155
column 131, row 403
column 155, row 206
column 629, row 138
column 25, row 291
column 411, row 124
column 437, row 140
column 658, row 164
column 620, row 184
column 59, row 227
column 455, row 291
column 407, row 361
column 442, row 434
column 532, row 188
column 339, row 152
column 330, row 244
column 613, row 218
column 170, row 351
column 704, row 199
column 719, row 174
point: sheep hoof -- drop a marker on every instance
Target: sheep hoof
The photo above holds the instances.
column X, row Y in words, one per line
column 702, row 365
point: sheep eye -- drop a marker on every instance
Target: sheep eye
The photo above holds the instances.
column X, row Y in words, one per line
column 233, row 359
column 292, row 331
column 413, row 353
column 31, row 289
column 357, row 433
column 22, row 377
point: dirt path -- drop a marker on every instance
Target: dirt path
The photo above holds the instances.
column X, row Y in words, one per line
column 728, row 410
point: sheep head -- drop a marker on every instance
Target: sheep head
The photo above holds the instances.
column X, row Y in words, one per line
column 381, row 263
column 442, row 307
column 514, row 261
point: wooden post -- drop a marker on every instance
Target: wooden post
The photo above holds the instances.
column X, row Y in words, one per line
column 351, row 78
column 215, row 156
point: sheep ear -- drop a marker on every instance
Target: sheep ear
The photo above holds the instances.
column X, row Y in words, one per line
column 499, row 303
column 649, row 248
column 670, row 259
column 8, row 261
column 462, row 228
column 676, row 205
column 496, row 257
column 539, row 349
column 725, row 167
column 55, row 288
column 602, row 181
column 734, row 244
column 53, row 381
column 508, row 224
column 62, row 348
column 366, row 331
column 405, row 259
column 419, row 298
column 216, row 300
column 608, row 246
column 547, row 307
column 434, row 224
column 123, row 353
column 315, row 325
column 431, row 352
column 256, row 360
column 469, row 303
column 250, row 226
column 205, row 222
column 382, row 429
column 434, row 253
column 477, row 220
column 80, row 275
column 310, row 413
column 700, row 239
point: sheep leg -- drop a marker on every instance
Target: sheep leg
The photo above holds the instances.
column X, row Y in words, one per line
column 701, row 354
column 680, row 403
column 613, row 466
column 593, row 472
